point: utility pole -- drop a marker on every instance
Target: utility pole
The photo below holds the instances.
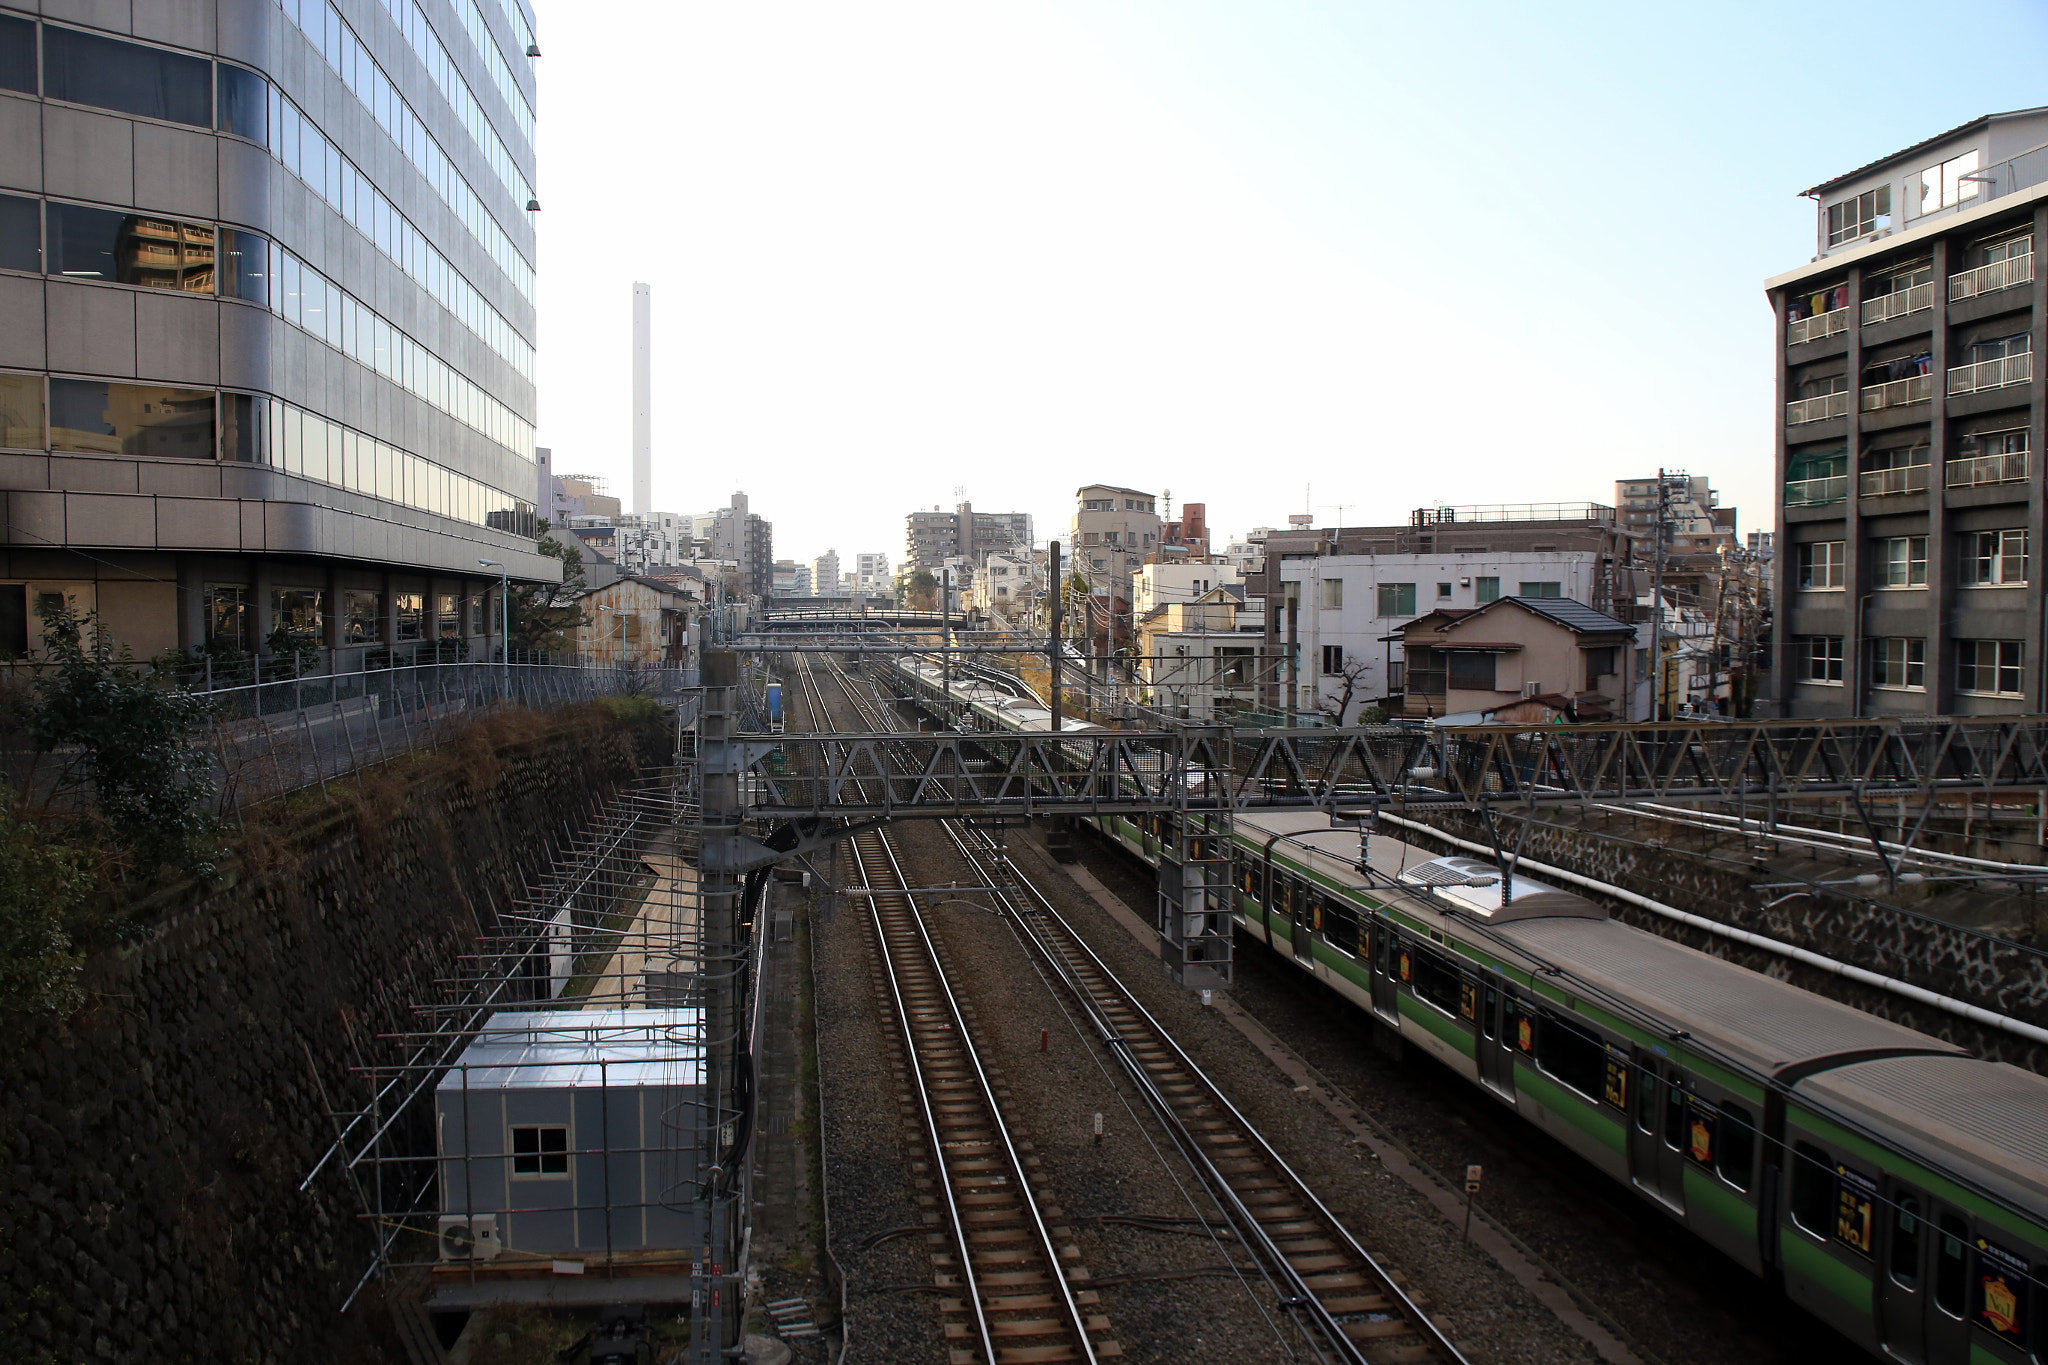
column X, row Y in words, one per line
column 1052, row 636
column 1657, row 599
column 946, row 627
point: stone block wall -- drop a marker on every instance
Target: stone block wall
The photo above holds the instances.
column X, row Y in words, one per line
column 151, row 1147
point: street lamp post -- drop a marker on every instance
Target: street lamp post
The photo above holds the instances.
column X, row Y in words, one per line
column 504, row 618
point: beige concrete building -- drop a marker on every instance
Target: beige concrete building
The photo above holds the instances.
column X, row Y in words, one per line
column 1469, row 662
column 1112, row 531
column 1193, row 662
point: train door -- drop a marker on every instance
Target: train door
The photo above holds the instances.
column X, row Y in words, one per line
column 1302, row 902
column 1385, row 988
column 1656, row 1131
column 1924, row 1289
column 1496, row 1051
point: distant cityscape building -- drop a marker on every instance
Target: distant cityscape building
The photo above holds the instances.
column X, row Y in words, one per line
column 1190, row 531
column 739, row 535
column 871, row 574
column 825, row 574
column 935, row 536
column 1909, row 427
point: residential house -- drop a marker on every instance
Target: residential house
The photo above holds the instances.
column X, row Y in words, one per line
column 1466, row 661
column 1193, row 662
column 639, row 621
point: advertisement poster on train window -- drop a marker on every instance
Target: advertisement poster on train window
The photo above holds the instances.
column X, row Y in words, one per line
column 1525, row 1033
column 1616, row 1091
column 2000, row 1302
column 1855, row 1198
column 1701, row 1121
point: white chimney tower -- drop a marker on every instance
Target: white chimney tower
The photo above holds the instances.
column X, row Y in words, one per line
column 643, row 432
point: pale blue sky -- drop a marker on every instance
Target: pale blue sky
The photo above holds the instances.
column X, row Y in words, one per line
column 1406, row 254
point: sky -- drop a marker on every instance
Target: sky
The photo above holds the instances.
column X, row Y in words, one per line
column 1274, row 256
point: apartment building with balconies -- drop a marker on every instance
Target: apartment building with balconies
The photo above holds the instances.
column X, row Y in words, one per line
column 267, row 322
column 1910, row 502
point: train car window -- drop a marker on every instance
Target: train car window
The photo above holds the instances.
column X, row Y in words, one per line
column 1813, row 1189
column 1520, row 1024
column 1905, row 1239
column 1738, row 1146
column 1489, row 1013
column 1615, row 1087
column 1340, row 926
column 1674, row 1115
column 1572, row 1055
column 1248, row 879
column 1435, row 980
column 1383, row 942
column 1952, row 1267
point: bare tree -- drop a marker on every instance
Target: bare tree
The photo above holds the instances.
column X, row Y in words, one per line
column 1335, row 709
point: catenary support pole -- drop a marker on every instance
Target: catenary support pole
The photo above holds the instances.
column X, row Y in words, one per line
column 1052, row 637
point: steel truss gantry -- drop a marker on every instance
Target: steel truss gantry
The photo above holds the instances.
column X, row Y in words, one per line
column 886, row 775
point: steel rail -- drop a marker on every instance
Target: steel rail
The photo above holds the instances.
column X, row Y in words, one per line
column 912, row 968
column 1069, row 956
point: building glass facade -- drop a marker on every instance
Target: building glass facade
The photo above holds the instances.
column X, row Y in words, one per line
column 266, row 319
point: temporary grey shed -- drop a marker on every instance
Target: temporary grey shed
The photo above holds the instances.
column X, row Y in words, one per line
column 573, row 1131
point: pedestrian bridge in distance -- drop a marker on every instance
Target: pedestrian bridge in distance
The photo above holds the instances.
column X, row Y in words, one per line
column 827, row 613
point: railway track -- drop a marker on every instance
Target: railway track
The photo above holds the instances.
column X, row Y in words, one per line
column 1345, row 1303
column 998, row 1245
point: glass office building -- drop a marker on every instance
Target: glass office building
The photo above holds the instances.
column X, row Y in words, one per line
column 267, row 320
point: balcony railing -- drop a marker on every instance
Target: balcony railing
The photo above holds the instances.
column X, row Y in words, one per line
column 1985, row 278
column 1975, row 470
column 1817, row 409
column 1917, row 299
column 1830, row 323
column 1992, row 374
column 1897, row 393
column 1878, row 483
column 1816, row 492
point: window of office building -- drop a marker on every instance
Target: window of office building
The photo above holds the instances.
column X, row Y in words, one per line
column 1485, row 590
column 131, row 419
column 128, row 78
column 1333, row 658
column 17, row 54
column 21, row 233
column 1547, row 588
column 1333, row 594
column 227, row 617
column 1397, row 599
column 447, row 617
column 21, row 411
column 409, row 612
column 242, row 103
column 1902, row 562
column 1898, row 662
column 1857, row 216
column 130, row 248
column 1821, row 659
column 245, row 266
column 1443, row 591
column 1995, row 558
column 1822, row 564
column 1990, row 666
column 362, row 616
column 296, row 612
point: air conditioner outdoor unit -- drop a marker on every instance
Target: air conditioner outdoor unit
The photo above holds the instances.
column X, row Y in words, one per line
column 469, row 1237
column 1530, row 689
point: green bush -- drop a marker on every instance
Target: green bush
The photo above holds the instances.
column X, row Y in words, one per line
column 43, row 885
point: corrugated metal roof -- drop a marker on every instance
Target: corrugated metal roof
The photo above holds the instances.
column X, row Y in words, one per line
column 1988, row 1118
column 562, row 1049
column 1980, row 121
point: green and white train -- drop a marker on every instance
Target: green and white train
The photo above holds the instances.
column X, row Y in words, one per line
column 1893, row 1185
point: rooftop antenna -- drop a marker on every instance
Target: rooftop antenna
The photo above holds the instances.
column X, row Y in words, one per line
column 1167, row 498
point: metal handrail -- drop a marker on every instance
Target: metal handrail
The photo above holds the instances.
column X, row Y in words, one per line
column 1914, row 299
column 1830, row 323
column 1974, row 470
column 1968, row 284
column 1897, row 393
column 1992, row 374
column 1814, row 492
column 1877, row 483
column 1817, row 408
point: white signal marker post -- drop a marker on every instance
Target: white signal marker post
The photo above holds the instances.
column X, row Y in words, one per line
column 1472, row 1174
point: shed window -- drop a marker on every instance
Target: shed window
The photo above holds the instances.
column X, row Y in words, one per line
column 1572, row 1055
column 540, row 1150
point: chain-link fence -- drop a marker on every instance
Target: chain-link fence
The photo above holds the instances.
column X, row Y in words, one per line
column 275, row 737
